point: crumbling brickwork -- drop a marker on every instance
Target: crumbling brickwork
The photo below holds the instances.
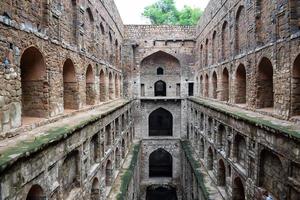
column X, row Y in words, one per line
column 212, row 110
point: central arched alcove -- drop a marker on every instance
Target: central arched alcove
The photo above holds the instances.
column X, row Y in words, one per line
column 36, row 192
column 160, row 164
column 158, row 71
column 160, row 88
column 160, row 123
column 161, row 193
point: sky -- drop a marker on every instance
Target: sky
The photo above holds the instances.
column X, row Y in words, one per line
column 131, row 10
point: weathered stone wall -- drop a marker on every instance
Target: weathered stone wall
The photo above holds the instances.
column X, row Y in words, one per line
column 76, row 166
column 171, row 146
column 237, row 146
column 237, row 34
column 41, row 36
column 146, row 40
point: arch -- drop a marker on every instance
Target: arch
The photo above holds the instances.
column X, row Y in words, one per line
column 238, row 191
column 102, row 86
column 210, row 159
column 225, row 41
column 111, row 86
column 108, row 173
column 160, row 71
column 213, row 45
column 295, row 15
column 123, row 148
column 225, row 85
column 160, row 163
column 117, row 158
column 160, row 88
column 240, row 84
column 201, row 56
column 201, row 149
column 33, row 83
column 206, row 53
column 271, row 173
column 221, row 136
column 296, row 87
column 90, row 14
column 117, row 86
column 214, row 85
column 240, row 27
column 90, row 87
column 221, row 173
column 95, row 149
column 265, row 93
column 36, row 192
column 201, row 86
column 95, row 190
column 161, row 192
column 70, row 86
column 108, row 135
column 160, row 123
column 70, row 173
column 206, row 89
column 160, row 55
column 240, row 150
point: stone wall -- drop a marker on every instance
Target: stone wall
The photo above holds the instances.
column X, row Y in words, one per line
column 77, row 166
column 38, row 37
column 242, row 152
column 144, row 41
column 234, row 35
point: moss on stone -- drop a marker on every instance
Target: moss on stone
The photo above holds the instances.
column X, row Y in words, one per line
column 128, row 174
column 257, row 121
column 33, row 145
column 195, row 167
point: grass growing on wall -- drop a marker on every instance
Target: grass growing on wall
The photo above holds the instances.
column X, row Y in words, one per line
column 128, row 175
column 186, row 146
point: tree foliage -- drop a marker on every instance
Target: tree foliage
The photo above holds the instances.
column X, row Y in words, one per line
column 165, row 12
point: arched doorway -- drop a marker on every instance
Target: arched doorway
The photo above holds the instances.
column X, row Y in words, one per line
column 111, row 86
column 160, row 164
column 265, row 93
column 271, row 173
column 221, row 173
column 161, row 193
column 90, row 86
column 210, row 159
column 117, row 86
column 296, row 87
column 238, row 192
column 102, row 86
column 34, row 83
column 117, row 158
column 36, row 192
column 225, row 85
column 160, row 123
column 214, row 85
column 160, row 88
column 70, row 173
column 108, row 173
column 95, row 191
column 240, row 85
column 70, row 86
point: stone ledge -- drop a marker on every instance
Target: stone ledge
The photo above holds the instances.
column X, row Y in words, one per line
column 126, row 173
column 25, row 147
column 265, row 122
column 209, row 190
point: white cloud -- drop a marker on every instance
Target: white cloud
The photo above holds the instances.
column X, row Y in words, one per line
column 131, row 10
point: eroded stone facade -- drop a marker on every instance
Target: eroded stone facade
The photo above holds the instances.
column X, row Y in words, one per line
column 91, row 108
